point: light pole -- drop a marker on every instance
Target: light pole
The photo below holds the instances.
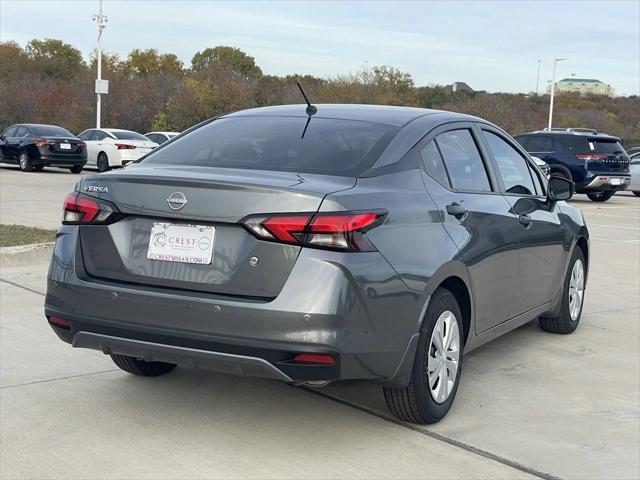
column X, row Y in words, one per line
column 538, row 79
column 553, row 89
column 101, row 86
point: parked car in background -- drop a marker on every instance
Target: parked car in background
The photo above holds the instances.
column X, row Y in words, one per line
column 543, row 166
column 112, row 147
column 34, row 146
column 635, row 174
column 633, row 150
column 321, row 244
column 161, row 137
column 596, row 162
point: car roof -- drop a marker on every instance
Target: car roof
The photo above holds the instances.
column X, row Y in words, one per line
column 165, row 133
column 35, row 125
column 385, row 114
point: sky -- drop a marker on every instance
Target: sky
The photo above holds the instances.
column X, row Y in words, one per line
column 491, row 45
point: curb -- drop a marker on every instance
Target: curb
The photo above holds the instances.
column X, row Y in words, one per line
column 24, row 248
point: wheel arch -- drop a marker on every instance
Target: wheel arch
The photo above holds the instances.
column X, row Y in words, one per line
column 460, row 291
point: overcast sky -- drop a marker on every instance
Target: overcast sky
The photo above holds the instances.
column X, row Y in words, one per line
column 492, row 46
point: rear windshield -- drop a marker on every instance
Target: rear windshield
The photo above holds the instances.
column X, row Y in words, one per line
column 579, row 144
column 50, row 131
column 327, row 146
column 127, row 135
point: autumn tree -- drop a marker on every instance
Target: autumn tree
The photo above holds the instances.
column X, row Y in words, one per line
column 230, row 58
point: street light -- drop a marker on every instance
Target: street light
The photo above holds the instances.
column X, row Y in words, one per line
column 553, row 89
column 538, row 78
column 102, row 86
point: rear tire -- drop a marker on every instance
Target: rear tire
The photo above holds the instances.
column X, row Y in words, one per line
column 25, row 162
column 103, row 162
column 137, row 366
column 636, row 193
column 416, row 403
column 600, row 196
column 76, row 169
column 37, row 168
column 568, row 318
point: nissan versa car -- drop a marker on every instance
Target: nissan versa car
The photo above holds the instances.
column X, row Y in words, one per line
column 596, row 162
column 318, row 244
column 33, row 147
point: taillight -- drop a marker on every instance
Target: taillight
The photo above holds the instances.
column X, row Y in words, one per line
column 79, row 209
column 43, row 143
column 331, row 230
column 589, row 157
column 125, row 146
column 81, row 145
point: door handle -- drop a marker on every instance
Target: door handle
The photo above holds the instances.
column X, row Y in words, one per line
column 456, row 210
column 525, row 220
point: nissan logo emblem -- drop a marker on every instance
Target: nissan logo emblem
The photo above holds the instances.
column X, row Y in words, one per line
column 176, row 200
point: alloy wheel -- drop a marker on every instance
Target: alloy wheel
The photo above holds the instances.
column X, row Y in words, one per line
column 576, row 290
column 443, row 357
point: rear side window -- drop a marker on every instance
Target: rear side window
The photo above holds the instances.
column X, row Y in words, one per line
column 99, row 135
column 511, row 165
column 21, row 132
column 50, row 131
column 294, row 144
column 86, row 135
column 433, row 163
column 463, row 161
column 539, row 144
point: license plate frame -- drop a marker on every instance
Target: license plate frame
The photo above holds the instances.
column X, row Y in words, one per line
column 181, row 243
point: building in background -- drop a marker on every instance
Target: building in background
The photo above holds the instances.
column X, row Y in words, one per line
column 458, row 87
column 584, row 86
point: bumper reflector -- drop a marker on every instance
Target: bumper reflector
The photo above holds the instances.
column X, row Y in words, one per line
column 59, row 322
column 317, row 358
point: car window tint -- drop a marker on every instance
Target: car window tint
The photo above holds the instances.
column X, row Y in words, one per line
column 539, row 143
column 295, row 144
column 50, row 131
column 433, row 163
column 86, row 135
column 128, row 135
column 604, row 146
column 22, row 131
column 573, row 143
column 512, row 166
column 463, row 161
column 11, row 132
column 99, row 135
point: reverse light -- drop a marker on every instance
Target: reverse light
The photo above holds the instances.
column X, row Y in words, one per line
column 80, row 209
column 331, row 230
column 317, row 358
column 125, row 146
column 590, row 157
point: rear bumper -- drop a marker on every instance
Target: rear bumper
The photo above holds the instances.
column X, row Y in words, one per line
column 54, row 160
column 350, row 306
column 607, row 182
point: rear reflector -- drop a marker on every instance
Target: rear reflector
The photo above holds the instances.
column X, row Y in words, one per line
column 59, row 322
column 80, row 209
column 591, row 156
column 316, row 358
column 331, row 230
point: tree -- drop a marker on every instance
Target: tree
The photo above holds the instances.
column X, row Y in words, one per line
column 229, row 58
column 141, row 63
column 54, row 58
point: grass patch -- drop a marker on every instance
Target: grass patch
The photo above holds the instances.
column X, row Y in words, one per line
column 11, row 235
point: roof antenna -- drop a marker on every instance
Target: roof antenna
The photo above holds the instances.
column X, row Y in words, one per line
column 311, row 109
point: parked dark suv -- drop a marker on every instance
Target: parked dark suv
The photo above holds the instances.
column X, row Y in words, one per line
column 352, row 242
column 596, row 162
column 34, row 147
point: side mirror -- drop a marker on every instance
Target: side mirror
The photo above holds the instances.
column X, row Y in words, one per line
column 560, row 188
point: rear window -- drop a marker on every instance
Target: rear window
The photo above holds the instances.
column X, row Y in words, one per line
column 50, row 131
column 580, row 144
column 327, row 146
column 127, row 135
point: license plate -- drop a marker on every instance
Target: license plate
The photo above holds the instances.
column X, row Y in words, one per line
column 170, row 242
column 65, row 146
column 616, row 181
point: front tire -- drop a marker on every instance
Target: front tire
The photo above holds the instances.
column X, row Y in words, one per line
column 103, row 162
column 25, row 162
column 568, row 318
column 137, row 366
column 600, row 196
column 437, row 366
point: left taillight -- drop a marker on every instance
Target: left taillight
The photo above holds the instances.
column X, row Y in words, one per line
column 80, row 209
column 344, row 231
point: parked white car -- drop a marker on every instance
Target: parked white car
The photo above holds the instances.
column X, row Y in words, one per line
column 161, row 137
column 112, row 147
column 634, row 168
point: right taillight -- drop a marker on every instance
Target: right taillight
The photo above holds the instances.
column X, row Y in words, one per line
column 80, row 209
column 342, row 231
